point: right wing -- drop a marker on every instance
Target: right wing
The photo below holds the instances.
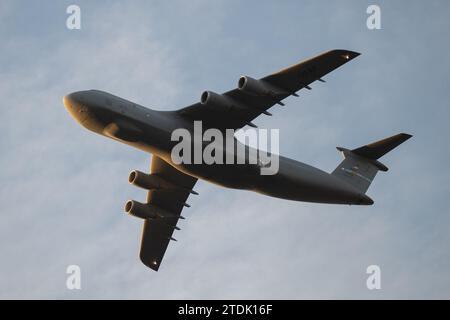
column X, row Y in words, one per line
column 157, row 233
column 244, row 106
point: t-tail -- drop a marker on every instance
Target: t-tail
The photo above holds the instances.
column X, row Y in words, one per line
column 360, row 165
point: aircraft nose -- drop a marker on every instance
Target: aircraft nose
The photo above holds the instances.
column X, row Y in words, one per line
column 72, row 101
column 68, row 101
column 74, row 106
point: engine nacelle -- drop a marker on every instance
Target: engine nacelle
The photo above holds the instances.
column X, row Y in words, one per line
column 257, row 87
column 145, row 211
column 140, row 210
column 148, row 181
column 215, row 100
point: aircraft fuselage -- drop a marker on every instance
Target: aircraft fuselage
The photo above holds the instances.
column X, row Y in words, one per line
column 150, row 131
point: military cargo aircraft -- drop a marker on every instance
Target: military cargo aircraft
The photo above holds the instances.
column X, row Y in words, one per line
column 170, row 183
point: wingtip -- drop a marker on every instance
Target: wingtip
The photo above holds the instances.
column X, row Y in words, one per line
column 346, row 54
column 406, row 135
column 353, row 54
column 149, row 264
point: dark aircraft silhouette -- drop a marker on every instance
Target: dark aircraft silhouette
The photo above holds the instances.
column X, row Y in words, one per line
column 169, row 184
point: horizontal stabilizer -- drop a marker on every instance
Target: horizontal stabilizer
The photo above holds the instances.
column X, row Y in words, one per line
column 361, row 165
column 380, row 148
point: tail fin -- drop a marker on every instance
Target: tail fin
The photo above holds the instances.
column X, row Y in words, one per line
column 360, row 165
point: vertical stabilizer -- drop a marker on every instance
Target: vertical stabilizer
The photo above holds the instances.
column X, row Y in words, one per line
column 361, row 165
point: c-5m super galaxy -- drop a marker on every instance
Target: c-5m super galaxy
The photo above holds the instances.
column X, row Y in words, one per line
column 169, row 184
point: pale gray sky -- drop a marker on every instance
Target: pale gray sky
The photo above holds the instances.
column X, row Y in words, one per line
column 63, row 188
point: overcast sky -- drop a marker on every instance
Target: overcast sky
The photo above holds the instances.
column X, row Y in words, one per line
column 63, row 188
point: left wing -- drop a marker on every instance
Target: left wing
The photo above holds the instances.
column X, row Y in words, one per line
column 157, row 232
column 237, row 108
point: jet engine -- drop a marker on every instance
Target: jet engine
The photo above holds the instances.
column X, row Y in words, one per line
column 257, row 87
column 141, row 210
column 215, row 100
column 153, row 182
column 146, row 211
column 148, row 181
